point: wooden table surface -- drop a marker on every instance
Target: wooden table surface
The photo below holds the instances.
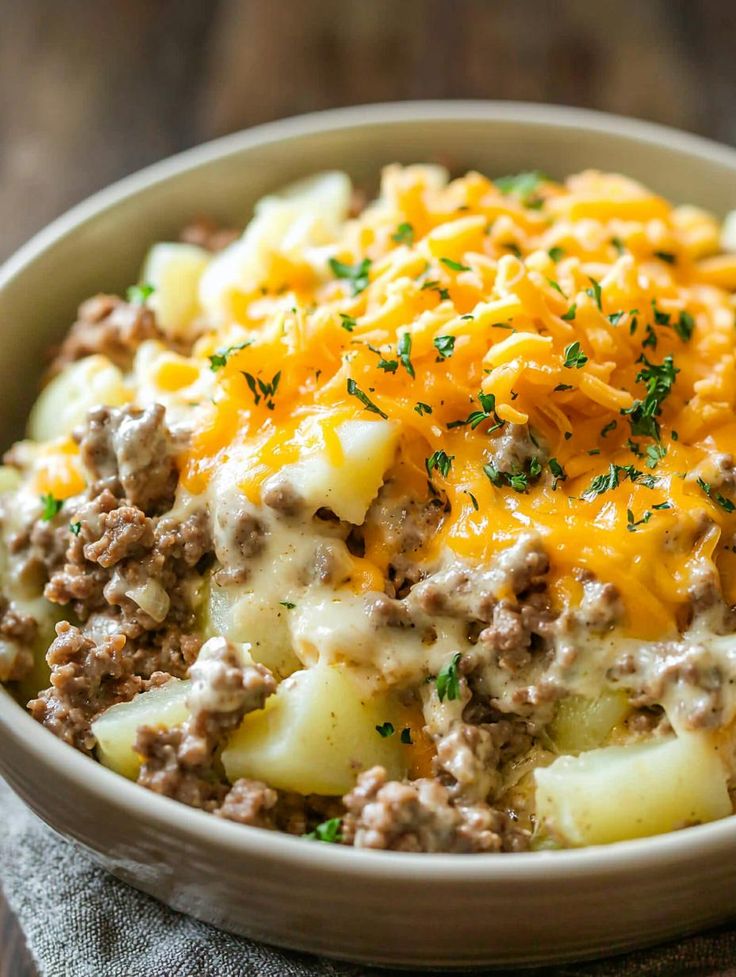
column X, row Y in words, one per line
column 90, row 90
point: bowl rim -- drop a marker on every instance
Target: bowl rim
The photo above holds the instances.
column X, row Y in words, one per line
column 90, row 777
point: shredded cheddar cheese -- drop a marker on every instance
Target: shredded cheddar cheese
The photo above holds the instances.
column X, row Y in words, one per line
column 599, row 263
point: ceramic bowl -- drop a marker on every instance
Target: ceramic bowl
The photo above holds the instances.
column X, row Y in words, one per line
column 445, row 911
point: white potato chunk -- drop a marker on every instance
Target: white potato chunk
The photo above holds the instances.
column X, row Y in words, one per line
column 633, row 791
column 347, row 485
column 115, row 730
column 63, row 404
column 315, row 735
column 303, row 215
column 174, row 271
column 583, row 724
column 253, row 618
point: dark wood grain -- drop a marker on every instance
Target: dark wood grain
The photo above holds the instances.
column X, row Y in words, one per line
column 90, row 90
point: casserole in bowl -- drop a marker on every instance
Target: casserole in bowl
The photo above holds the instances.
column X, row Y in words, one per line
column 459, row 133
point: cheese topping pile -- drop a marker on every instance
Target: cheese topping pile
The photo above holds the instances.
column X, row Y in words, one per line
column 451, row 311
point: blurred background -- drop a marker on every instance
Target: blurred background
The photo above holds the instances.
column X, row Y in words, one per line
column 91, row 90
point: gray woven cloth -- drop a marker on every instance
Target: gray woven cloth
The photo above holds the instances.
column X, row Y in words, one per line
column 81, row 922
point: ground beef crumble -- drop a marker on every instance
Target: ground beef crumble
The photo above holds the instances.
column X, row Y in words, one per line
column 109, row 326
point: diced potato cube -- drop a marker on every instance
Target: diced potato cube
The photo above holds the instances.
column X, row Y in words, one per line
column 249, row 617
column 174, row 271
column 634, row 791
column 115, row 730
column 347, row 484
column 63, row 404
column 583, row 724
column 315, row 735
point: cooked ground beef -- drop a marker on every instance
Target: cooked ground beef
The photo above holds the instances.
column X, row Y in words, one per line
column 421, row 817
column 21, row 631
column 179, row 762
column 131, row 447
column 107, row 325
column 208, row 234
column 514, row 447
column 87, row 677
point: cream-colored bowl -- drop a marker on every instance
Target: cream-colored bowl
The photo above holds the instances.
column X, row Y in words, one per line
column 389, row 908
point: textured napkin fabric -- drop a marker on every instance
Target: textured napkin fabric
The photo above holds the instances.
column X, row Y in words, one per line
column 81, row 922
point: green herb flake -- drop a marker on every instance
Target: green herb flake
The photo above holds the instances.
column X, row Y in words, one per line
column 75, row 528
column 726, row 504
column 666, row 256
column 472, row 499
column 611, row 426
column 347, row 322
column 558, row 472
column 388, row 366
column 406, row 737
column 631, row 523
column 448, row 680
column 594, row 292
column 51, row 506
column 575, row 358
column 569, row 316
column 455, row 265
column 440, row 461
column 436, row 287
column 644, row 414
column 385, row 730
column 555, row 285
column 662, row 505
column 356, row 274
column 661, row 318
column 654, row 454
column 618, row 244
column 493, row 474
column 404, row 234
column 562, row 387
column 615, row 317
column 522, row 185
column 684, row 326
column 287, row 604
column 355, row 391
column 140, row 293
column 404, row 353
column 445, row 346
column 556, row 254
column 422, row 408
column 328, row 831
column 220, row 358
column 262, row 390
column 614, row 476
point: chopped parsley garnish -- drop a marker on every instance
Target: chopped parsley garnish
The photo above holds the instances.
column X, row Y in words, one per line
column 654, row 454
column 666, row 256
column 615, row 317
column 140, row 293
column 287, row 604
column 618, row 244
column 661, row 318
column 472, row 499
column 535, row 467
column 406, row 736
column 594, row 292
column 650, row 339
column 404, row 234
column 662, row 505
column 441, row 461
column 684, row 326
column 659, row 379
column 726, row 504
column 454, row 265
column 611, row 426
column 513, row 247
column 614, row 476
column 220, row 358
column 51, row 506
column 555, row 285
column 385, row 729
column 563, row 386
column 517, row 480
column 75, row 528
column 356, row 274
column 556, row 254
column 436, row 287
column 445, row 345
column 476, row 417
column 347, row 322
column 355, row 391
column 570, row 314
column 422, row 408
column 262, row 390
column 523, row 185
column 404, row 353
column 448, row 680
column 632, row 523
column 328, row 831
column 558, row 472
column 388, row 366
column 575, row 358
